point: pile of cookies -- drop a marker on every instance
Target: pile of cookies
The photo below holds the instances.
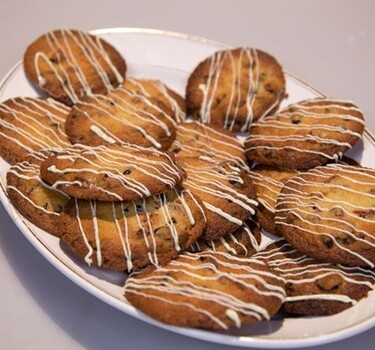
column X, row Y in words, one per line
column 133, row 177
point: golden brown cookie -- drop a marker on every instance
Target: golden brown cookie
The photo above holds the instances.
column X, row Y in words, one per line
column 34, row 199
column 245, row 241
column 328, row 213
column 305, row 134
column 232, row 88
column 130, row 235
column 111, row 172
column 208, row 290
column 226, row 192
column 31, row 124
column 121, row 116
column 314, row 288
column 268, row 182
column 204, row 140
column 159, row 91
column 69, row 64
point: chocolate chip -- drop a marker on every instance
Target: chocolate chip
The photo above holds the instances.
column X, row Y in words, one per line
column 364, row 214
column 235, row 183
column 55, row 59
column 164, row 282
column 58, row 208
column 328, row 242
column 269, row 155
column 127, row 172
column 203, row 259
column 289, row 286
column 347, row 240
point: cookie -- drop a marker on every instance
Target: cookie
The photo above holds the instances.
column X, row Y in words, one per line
column 314, row 288
column 34, row 199
column 69, row 64
column 158, row 90
column 206, row 140
column 208, row 290
column 306, row 134
column 226, row 192
column 130, row 235
column 328, row 213
column 232, row 88
column 246, row 241
column 111, row 173
column 31, row 124
column 121, row 116
column 268, row 182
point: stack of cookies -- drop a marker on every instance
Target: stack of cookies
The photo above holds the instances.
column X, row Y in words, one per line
column 133, row 177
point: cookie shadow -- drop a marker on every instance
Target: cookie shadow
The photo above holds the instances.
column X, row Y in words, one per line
column 114, row 277
column 258, row 329
column 356, row 152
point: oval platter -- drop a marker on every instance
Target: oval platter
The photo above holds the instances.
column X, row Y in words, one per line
column 171, row 57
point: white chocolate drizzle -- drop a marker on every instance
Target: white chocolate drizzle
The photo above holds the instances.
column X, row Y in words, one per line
column 233, row 315
column 162, row 91
column 111, row 161
column 118, row 106
column 315, row 125
column 298, row 269
column 194, row 139
column 186, row 281
column 333, row 209
column 99, row 132
column 29, row 123
column 70, row 48
column 125, row 228
column 211, row 181
column 267, row 187
column 28, row 172
column 246, row 65
column 231, row 243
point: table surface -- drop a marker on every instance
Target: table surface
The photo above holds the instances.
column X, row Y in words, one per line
column 329, row 43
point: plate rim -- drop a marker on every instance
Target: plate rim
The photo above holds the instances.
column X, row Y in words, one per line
column 104, row 296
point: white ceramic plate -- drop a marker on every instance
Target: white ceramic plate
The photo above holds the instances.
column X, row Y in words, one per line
column 170, row 57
